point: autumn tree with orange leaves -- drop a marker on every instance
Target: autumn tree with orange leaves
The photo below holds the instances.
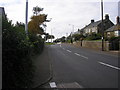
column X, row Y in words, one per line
column 36, row 21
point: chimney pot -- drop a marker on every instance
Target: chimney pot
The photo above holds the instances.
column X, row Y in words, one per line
column 107, row 17
column 118, row 20
column 92, row 21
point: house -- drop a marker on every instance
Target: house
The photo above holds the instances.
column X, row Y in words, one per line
column 80, row 31
column 114, row 30
column 95, row 27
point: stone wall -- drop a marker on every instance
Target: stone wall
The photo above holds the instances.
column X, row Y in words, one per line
column 93, row 44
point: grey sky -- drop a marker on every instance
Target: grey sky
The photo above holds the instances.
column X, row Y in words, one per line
column 63, row 12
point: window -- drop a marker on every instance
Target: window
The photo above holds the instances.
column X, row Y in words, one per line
column 117, row 33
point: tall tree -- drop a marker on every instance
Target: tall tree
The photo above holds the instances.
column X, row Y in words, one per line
column 37, row 10
column 37, row 21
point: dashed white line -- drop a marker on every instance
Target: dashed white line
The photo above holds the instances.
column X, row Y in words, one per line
column 69, row 51
column 63, row 48
column 60, row 45
column 52, row 84
column 81, row 55
column 77, row 54
column 109, row 65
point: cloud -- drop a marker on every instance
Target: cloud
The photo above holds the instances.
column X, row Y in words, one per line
column 63, row 12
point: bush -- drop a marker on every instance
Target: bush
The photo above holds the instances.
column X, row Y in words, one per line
column 114, row 43
column 114, row 39
column 78, row 37
column 93, row 36
column 18, row 69
column 37, row 42
column 17, row 66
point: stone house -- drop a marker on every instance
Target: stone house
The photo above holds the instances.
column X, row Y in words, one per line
column 95, row 27
column 114, row 30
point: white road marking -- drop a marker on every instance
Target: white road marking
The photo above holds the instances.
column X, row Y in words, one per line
column 63, row 48
column 52, row 84
column 81, row 55
column 109, row 65
column 60, row 45
column 69, row 51
column 77, row 54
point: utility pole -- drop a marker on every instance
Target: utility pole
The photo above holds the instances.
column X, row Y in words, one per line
column 26, row 18
column 51, row 35
column 102, row 25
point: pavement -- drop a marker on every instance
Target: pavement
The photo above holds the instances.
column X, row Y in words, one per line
column 43, row 73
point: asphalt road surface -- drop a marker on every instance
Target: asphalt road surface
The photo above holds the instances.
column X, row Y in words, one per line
column 80, row 67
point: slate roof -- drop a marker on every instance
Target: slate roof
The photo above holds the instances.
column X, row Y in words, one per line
column 113, row 28
column 94, row 24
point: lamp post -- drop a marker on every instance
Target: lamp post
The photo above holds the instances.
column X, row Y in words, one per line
column 102, row 25
column 72, row 33
column 26, row 18
column 72, row 28
column 51, row 35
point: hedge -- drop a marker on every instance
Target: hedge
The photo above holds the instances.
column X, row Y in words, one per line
column 17, row 66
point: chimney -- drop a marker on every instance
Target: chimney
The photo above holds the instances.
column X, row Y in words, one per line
column 118, row 20
column 92, row 21
column 107, row 17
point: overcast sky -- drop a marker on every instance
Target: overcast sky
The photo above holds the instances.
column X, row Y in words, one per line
column 63, row 12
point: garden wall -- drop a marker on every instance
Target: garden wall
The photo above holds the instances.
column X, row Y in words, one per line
column 93, row 44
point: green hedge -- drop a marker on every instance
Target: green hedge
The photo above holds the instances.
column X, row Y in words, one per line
column 93, row 36
column 17, row 66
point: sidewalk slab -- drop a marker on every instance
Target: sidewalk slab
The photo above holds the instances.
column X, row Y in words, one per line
column 42, row 68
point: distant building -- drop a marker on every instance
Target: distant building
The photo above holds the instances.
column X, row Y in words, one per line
column 114, row 30
column 80, row 31
column 95, row 27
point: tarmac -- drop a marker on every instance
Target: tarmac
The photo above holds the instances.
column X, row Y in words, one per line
column 43, row 67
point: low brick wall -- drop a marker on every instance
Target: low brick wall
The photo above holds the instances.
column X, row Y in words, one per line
column 93, row 44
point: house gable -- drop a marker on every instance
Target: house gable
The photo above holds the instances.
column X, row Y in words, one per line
column 96, row 26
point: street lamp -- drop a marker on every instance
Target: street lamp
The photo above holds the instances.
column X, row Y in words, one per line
column 72, row 33
column 51, row 35
column 72, row 28
column 26, row 18
column 102, row 25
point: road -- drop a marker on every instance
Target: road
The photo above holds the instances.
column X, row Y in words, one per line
column 83, row 67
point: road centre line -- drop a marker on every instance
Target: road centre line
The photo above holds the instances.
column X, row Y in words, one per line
column 77, row 54
column 60, row 45
column 63, row 48
column 81, row 55
column 69, row 51
column 109, row 65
